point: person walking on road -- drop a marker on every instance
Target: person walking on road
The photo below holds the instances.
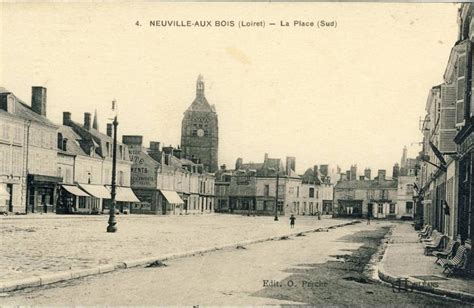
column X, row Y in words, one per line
column 368, row 218
column 292, row 221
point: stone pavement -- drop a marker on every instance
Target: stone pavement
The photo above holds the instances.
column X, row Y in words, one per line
column 52, row 244
column 404, row 258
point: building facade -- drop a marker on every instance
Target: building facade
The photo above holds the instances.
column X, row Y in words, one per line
column 360, row 198
column 166, row 183
column 85, row 167
column 28, row 154
column 445, row 177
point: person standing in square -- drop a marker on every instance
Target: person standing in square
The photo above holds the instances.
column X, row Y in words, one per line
column 292, row 221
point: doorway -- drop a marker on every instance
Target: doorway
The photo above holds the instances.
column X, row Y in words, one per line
column 10, row 200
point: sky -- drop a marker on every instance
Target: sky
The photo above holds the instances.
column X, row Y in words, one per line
column 353, row 94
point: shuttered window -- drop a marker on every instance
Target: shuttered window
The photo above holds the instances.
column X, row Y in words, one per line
column 447, row 130
column 460, row 89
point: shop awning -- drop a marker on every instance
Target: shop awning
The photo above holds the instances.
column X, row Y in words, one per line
column 124, row 194
column 172, row 197
column 4, row 195
column 98, row 191
column 75, row 190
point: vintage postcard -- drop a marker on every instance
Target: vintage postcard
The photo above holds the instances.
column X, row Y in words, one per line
column 236, row 153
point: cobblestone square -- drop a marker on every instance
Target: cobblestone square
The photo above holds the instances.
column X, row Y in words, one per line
column 50, row 243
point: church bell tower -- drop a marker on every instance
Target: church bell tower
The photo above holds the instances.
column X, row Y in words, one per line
column 199, row 130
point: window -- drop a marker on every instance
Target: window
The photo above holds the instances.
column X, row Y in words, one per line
column 297, row 191
column 409, row 207
column 392, row 208
column 5, row 132
column 17, row 135
column 266, row 190
column 120, row 182
column 311, row 192
column 60, row 141
column 82, row 202
column 409, row 188
column 380, row 208
column 59, row 173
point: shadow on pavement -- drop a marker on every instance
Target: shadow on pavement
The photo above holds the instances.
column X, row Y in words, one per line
column 342, row 281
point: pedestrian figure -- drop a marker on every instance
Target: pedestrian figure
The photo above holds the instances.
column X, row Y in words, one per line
column 368, row 218
column 292, row 221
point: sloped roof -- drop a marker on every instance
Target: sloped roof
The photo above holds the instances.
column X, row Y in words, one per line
column 254, row 166
column 73, row 141
column 94, row 137
column 24, row 111
column 372, row 184
column 200, row 103
column 309, row 177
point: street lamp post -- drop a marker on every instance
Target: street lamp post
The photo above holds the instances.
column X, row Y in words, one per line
column 112, row 223
column 276, row 195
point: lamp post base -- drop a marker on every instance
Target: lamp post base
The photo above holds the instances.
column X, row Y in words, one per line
column 111, row 228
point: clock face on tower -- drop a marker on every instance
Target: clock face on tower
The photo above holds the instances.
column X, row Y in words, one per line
column 200, row 132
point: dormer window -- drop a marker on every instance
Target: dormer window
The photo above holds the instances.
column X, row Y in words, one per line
column 60, row 141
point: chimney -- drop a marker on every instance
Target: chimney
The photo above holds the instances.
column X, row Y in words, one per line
column 290, row 164
column 265, row 158
column 177, row 153
column 343, row 177
column 238, row 163
column 132, row 140
column 87, row 120
column 395, row 171
column 154, row 146
column 66, row 118
column 109, row 129
column 381, row 175
column 223, row 167
column 38, row 100
column 362, row 178
column 353, row 173
column 315, row 172
column 367, row 173
column 168, row 150
column 348, row 175
column 324, row 170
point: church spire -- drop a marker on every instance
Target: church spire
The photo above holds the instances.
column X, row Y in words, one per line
column 95, row 124
column 200, row 86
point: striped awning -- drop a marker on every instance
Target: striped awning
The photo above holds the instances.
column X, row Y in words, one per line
column 172, row 197
column 98, row 191
column 124, row 194
column 73, row 189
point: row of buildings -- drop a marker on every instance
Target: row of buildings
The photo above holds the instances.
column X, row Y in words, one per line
column 67, row 167
column 380, row 197
column 445, row 182
column 270, row 188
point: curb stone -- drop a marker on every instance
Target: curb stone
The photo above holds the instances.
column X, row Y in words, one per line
column 75, row 274
column 371, row 269
column 389, row 279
